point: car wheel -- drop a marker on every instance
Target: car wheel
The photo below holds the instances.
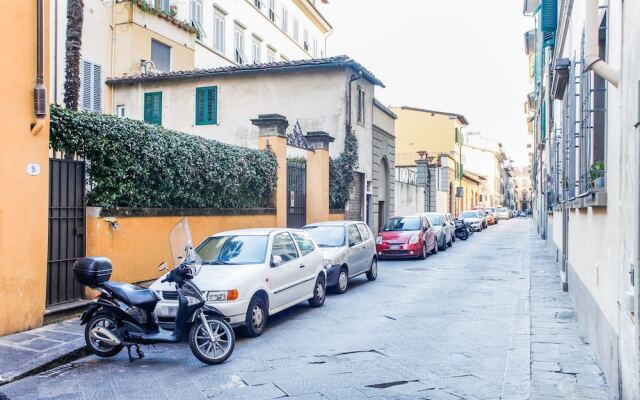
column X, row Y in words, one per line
column 256, row 319
column 343, row 281
column 444, row 244
column 435, row 247
column 319, row 291
column 451, row 241
column 423, row 253
column 372, row 274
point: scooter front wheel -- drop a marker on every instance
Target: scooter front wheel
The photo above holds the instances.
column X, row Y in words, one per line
column 212, row 349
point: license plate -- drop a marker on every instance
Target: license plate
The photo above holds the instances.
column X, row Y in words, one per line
column 167, row 311
column 395, row 247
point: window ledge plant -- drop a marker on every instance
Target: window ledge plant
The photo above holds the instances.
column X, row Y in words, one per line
column 167, row 15
column 596, row 174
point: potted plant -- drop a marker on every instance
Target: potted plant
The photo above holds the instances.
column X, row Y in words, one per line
column 596, row 174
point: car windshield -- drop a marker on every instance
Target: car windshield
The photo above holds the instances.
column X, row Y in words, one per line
column 402, row 224
column 233, row 250
column 469, row 214
column 435, row 219
column 327, row 235
column 502, row 209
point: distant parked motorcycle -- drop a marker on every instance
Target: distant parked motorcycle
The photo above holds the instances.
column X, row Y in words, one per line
column 123, row 314
column 461, row 230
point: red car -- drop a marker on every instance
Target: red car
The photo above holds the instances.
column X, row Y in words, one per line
column 406, row 237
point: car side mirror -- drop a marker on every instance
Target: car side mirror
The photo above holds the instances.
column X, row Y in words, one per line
column 275, row 261
column 162, row 266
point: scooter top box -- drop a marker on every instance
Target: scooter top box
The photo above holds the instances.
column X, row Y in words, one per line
column 92, row 271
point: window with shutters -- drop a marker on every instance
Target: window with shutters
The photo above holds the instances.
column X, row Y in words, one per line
column 218, row 31
column 239, row 45
column 296, row 29
column 91, row 87
column 257, row 4
column 272, row 10
column 207, row 105
column 161, row 56
column 256, row 51
column 285, row 19
column 305, row 44
column 271, row 55
column 196, row 15
column 153, row 108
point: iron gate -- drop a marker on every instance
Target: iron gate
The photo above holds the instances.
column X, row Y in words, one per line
column 296, row 194
column 66, row 229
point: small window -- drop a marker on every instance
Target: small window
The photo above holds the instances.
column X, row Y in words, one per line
column 361, row 101
column 164, row 5
column 364, row 232
column 120, row 111
column 207, row 105
column 315, row 47
column 239, row 46
column 305, row 44
column 256, row 49
column 218, row 31
column 284, row 247
column 354, row 235
column 153, row 108
column 161, row 56
column 285, row 19
column 304, row 241
column 91, row 87
column 271, row 55
column 257, row 4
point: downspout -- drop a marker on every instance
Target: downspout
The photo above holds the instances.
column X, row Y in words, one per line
column 113, row 54
column 592, row 58
column 40, row 92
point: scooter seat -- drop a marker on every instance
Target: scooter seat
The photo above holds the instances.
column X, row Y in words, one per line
column 130, row 294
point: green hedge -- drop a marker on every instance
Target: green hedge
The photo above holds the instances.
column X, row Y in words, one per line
column 341, row 170
column 135, row 164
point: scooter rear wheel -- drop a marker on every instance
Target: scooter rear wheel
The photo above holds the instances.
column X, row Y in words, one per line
column 212, row 351
column 102, row 320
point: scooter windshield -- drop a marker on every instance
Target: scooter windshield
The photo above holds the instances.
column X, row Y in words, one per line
column 182, row 250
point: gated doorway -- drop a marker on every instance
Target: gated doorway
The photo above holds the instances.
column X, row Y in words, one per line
column 66, row 229
column 296, row 193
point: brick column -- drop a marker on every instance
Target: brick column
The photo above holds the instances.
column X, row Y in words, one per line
column 318, row 176
column 272, row 135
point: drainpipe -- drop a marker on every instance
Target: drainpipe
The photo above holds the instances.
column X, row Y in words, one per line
column 592, row 52
column 40, row 92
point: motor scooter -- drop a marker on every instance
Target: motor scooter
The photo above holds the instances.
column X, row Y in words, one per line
column 461, row 230
column 123, row 314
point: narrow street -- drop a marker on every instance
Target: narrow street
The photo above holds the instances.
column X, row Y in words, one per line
column 464, row 323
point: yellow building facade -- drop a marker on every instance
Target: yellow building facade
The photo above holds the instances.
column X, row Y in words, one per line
column 23, row 168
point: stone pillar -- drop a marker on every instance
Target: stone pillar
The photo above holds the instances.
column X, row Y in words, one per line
column 422, row 177
column 318, row 176
column 272, row 135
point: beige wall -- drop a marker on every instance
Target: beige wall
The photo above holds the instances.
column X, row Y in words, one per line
column 24, row 200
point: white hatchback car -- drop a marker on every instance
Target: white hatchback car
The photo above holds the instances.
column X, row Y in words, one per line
column 250, row 274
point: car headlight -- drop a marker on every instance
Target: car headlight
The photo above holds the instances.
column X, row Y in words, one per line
column 414, row 239
column 222, row 295
column 379, row 240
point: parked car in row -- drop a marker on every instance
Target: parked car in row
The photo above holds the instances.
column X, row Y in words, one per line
column 443, row 228
column 407, row 237
column 503, row 213
column 250, row 274
column 492, row 214
column 473, row 219
column 349, row 250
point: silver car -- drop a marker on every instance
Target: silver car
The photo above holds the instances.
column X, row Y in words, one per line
column 443, row 228
column 349, row 250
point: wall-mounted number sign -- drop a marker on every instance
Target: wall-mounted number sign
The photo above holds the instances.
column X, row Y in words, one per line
column 33, row 169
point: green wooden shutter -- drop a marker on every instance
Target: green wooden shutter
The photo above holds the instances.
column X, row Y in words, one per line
column 207, row 105
column 549, row 16
column 153, row 108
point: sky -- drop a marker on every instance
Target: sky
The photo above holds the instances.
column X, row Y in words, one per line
column 460, row 56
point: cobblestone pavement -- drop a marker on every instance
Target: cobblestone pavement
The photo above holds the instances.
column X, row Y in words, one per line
column 484, row 320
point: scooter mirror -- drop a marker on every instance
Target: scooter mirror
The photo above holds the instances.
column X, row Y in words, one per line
column 162, row 266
